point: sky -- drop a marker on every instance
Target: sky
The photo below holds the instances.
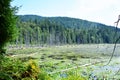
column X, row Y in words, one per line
column 102, row 11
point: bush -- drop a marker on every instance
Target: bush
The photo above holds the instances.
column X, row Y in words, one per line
column 15, row 69
column 11, row 68
column 32, row 70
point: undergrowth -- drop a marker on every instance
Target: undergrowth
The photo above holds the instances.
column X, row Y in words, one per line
column 15, row 69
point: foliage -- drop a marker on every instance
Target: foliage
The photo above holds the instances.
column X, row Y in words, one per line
column 32, row 70
column 56, row 62
column 14, row 69
column 44, row 76
column 7, row 23
column 74, row 75
column 62, row 30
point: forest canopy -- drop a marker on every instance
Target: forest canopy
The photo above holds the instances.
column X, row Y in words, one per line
column 62, row 30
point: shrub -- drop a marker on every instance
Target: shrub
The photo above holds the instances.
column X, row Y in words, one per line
column 15, row 69
column 32, row 70
column 11, row 68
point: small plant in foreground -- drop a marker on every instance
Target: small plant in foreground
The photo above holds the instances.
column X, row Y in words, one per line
column 11, row 68
column 14, row 69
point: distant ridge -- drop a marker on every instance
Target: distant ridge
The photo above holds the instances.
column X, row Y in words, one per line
column 66, row 21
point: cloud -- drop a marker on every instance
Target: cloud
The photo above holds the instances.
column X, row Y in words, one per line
column 104, row 11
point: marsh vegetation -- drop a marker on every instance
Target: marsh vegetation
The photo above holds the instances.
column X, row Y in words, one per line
column 83, row 62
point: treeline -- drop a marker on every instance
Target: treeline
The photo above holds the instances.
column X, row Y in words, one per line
column 49, row 31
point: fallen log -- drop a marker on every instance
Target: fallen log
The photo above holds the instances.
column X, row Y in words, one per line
column 85, row 65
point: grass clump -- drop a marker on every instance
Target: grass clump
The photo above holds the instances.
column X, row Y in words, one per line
column 73, row 75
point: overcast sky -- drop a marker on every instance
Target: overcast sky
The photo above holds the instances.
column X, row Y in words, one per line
column 102, row 11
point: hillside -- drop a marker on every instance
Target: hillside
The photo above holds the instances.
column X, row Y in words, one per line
column 64, row 21
column 40, row 30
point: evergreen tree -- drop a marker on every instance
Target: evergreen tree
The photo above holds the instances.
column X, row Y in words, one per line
column 49, row 32
column 7, row 23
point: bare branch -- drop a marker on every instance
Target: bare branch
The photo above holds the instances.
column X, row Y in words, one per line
column 117, row 22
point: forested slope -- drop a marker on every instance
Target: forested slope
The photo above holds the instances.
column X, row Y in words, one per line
column 39, row 30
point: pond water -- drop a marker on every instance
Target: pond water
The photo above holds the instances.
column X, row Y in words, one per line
column 108, row 71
